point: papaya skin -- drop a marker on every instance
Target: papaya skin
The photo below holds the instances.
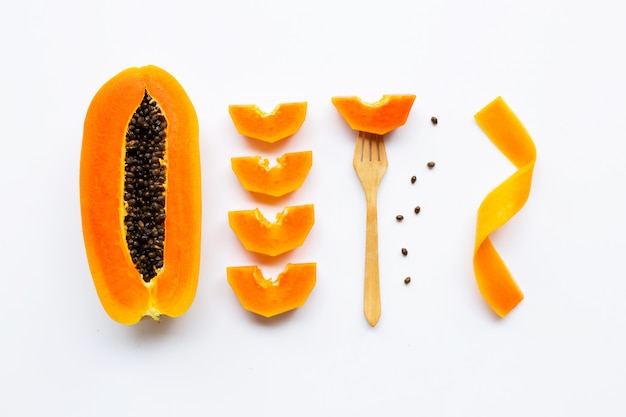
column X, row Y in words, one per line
column 505, row 130
column 380, row 117
column 267, row 297
column 124, row 295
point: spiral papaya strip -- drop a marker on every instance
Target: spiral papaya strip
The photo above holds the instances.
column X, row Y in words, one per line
column 506, row 131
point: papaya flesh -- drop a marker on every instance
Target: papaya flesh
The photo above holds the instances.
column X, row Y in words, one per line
column 282, row 122
column 140, row 195
column 255, row 174
column 268, row 297
column 259, row 235
column 380, row 117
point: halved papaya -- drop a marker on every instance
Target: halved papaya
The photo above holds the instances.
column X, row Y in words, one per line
column 286, row 176
column 257, row 234
column 282, row 122
column 380, row 117
column 140, row 195
column 268, row 297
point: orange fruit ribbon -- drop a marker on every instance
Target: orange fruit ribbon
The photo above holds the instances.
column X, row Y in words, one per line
column 507, row 132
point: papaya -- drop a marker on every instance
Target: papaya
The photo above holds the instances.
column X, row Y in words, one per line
column 259, row 235
column 268, row 297
column 255, row 174
column 505, row 130
column 380, row 117
column 140, row 195
column 283, row 121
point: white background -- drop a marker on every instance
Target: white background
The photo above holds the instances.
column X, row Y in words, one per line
column 438, row 350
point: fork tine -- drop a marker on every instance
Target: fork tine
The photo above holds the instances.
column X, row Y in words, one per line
column 369, row 147
column 380, row 148
column 374, row 140
column 359, row 148
column 363, row 141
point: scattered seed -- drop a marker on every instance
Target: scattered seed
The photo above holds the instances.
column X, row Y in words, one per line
column 430, row 165
column 407, row 280
column 434, row 120
column 413, row 179
column 417, row 209
column 405, row 252
column 399, row 217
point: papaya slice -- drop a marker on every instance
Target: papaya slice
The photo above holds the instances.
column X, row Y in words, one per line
column 380, row 117
column 259, row 235
column 140, row 195
column 282, row 122
column 256, row 175
column 502, row 126
column 268, row 297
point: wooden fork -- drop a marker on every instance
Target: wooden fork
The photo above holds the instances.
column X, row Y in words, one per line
column 370, row 164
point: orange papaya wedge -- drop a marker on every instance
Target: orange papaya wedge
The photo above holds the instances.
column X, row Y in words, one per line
column 380, row 117
column 259, row 235
column 267, row 297
column 140, row 195
column 256, row 175
column 282, row 122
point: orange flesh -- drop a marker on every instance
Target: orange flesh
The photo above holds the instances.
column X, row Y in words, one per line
column 380, row 117
column 123, row 293
column 284, row 121
column 259, row 235
column 268, row 297
column 506, row 131
column 286, row 176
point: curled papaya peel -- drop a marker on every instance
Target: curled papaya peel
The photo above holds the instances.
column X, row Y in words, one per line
column 110, row 173
column 268, row 297
column 507, row 132
column 380, row 117
column 282, row 122
column 256, row 175
column 257, row 234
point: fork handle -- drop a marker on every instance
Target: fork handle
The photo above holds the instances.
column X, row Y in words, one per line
column 371, row 297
